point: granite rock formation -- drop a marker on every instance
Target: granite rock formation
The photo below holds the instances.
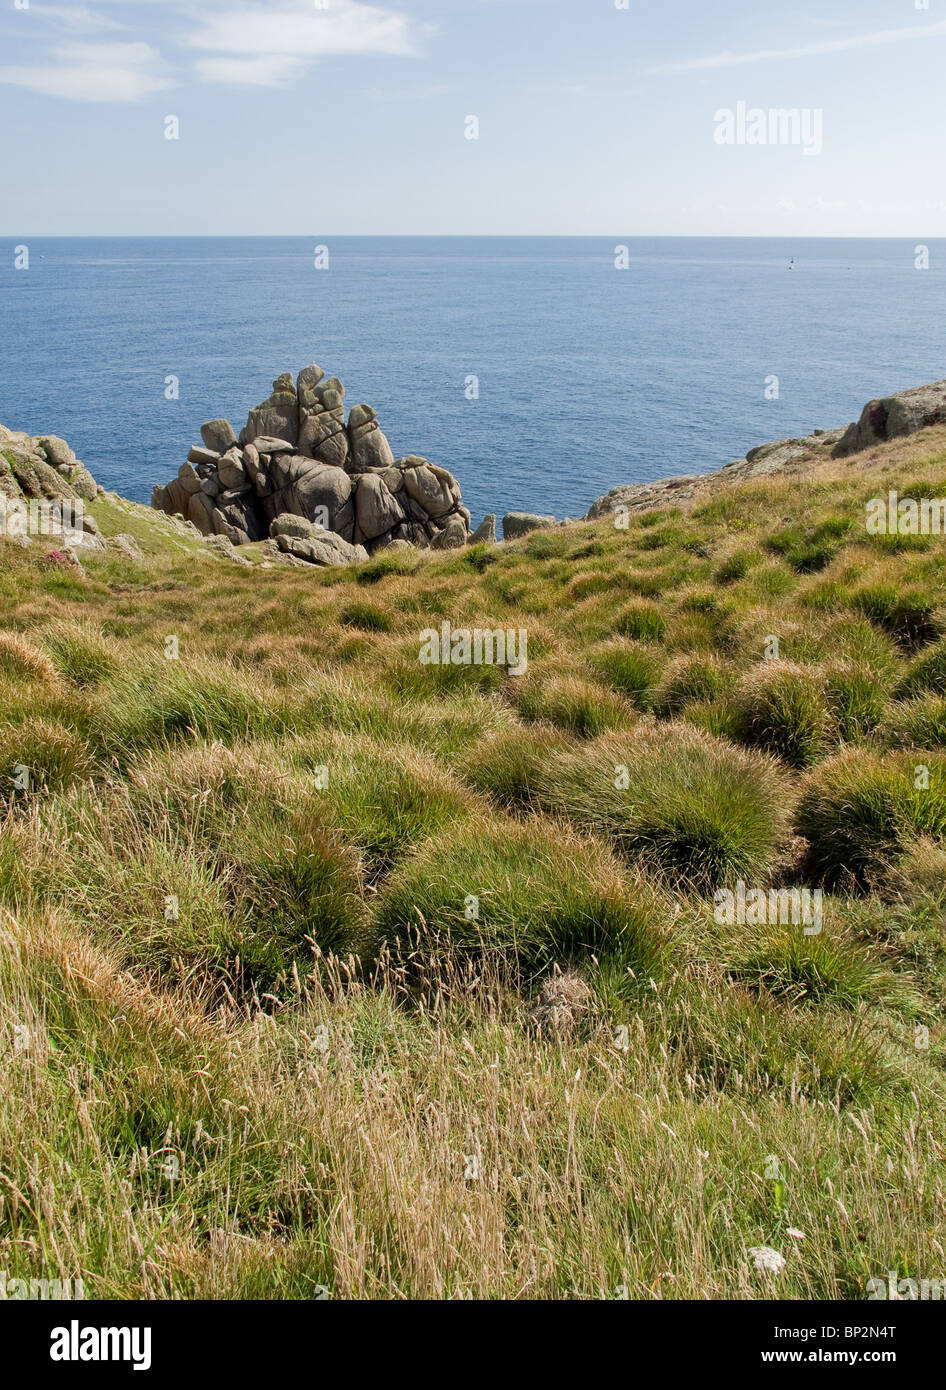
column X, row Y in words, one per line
column 297, row 458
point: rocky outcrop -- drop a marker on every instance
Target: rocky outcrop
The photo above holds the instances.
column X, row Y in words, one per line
column 43, row 491
column 297, row 457
column 783, row 456
column 889, row 417
column 892, row 417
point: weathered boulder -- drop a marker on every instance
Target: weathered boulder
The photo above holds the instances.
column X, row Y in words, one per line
column 299, row 527
column 179, row 499
column 188, row 478
column 126, row 546
column 200, row 510
column 235, row 516
column 322, row 433
column 224, row 549
column 395, row 545
column 317, row 491
column 328, row 550
column 218, row 436
column 278, row 415
column 208, row 458
column 452, row 537
column 521, row 523
column 368, row 447
column 231, row 472
column 45, row 471
column 306, row 382
column 57, row 451
column 269, row 445
column 376, row 508
column 891, row 417
column 160, row 498
column 83, row 484
column 434, row 490
column 36, row 478
column 485, row 533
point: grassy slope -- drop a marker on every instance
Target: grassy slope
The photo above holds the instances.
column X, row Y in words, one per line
column 200, row 1099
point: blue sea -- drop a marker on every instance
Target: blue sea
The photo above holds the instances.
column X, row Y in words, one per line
column 588, row 375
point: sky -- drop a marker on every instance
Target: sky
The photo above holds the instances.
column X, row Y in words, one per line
column 472, row 117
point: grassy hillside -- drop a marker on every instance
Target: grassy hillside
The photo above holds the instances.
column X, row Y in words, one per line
column 323, row 968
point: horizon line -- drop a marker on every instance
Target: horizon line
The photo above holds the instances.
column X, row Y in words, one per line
column 457, row 236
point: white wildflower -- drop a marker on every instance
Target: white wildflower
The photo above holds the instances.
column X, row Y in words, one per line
column 767, row 1260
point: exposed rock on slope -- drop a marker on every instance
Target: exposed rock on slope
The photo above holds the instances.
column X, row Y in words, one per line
column 890, row 417
column 296, row 457
column 44, row 470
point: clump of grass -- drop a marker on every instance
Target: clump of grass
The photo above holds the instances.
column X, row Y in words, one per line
column 22, row 659
column 411, row 679
column 811, row 550
column 856, row 697
column 858, row 642
column 385, row 565
column 731, row 1037
column 694, row 808
column 260, row 880
column 507, row 763
column 774, row 580
column 782, row 708
column 817, row 968
column 859, row 812
column 548, row 545
column 631, row 668
column 151, row 704
column 926, row 673
column 737, row 565
column 81, row 651
column 906, row 613
column 642, row 621
column 530, row 896
column 38, row 756
column 368, row 617
column 572, row 703
column 587, row 585
column 296, row 887
column 383, row 797
column 919, row 723
column 715, row 717
column 690, row 679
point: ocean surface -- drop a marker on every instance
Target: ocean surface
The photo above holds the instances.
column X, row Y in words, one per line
column 588, row 375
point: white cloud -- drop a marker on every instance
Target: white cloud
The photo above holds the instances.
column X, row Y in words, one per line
column 109, row 72
column 296, row 28
column 268, row 70
column 74, row 16
column 249, row 43
column 881, row 38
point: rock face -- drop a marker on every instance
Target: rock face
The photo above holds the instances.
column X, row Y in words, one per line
column 44, row 471
column 324, row 491
column 892, row 417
